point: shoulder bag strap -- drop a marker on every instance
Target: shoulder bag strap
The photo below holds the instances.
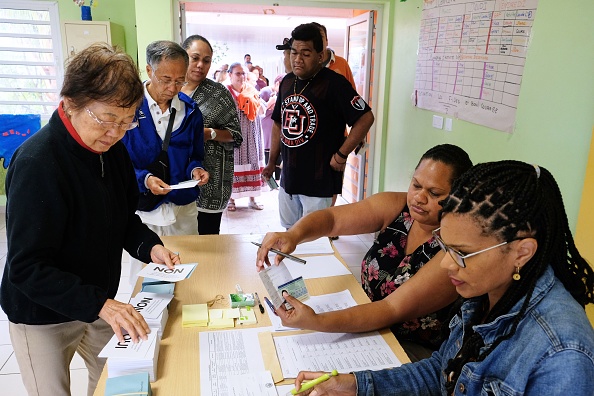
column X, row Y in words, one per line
column 169, row 128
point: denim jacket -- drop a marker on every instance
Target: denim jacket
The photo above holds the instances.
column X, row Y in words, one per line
column 551, row 353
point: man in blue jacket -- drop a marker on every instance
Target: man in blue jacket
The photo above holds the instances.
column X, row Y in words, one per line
column 175, row 213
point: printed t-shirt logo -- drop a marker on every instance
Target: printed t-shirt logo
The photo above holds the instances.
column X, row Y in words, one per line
column 358, row 103
column 299, row 121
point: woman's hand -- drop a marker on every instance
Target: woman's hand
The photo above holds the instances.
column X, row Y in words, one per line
column 341, row 385
column 161, row 255
column 124, row 316
column 300, row 316
column 277, row 240
column 201, row 175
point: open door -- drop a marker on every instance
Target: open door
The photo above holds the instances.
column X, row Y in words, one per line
column 359, row 52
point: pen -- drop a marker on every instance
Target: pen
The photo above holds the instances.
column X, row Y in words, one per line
column 310, row 384
column 290, row 257
column 269, row 303
column 258, row 302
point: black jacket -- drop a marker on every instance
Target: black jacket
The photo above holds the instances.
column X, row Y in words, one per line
column 69, row 214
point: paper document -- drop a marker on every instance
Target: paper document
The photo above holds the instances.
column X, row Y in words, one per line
column 319, row 246
column 320, row 304
column 226, row 354
column 161, row 272
column 252, row 384
column 344, row 352
column 182, row 185
column 317, row 267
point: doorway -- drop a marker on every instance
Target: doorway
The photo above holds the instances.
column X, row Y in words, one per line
column 238, row 29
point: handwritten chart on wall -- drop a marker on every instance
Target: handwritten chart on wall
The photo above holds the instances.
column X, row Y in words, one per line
column 471, row 58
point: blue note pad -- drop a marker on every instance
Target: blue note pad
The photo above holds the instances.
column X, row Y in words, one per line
column 137, row 384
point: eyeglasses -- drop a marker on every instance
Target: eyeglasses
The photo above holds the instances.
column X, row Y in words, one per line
column 239, row 73
column 456, row 255
column 166, row 83
column 126, row 126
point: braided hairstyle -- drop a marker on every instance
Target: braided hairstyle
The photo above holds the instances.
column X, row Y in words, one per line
column 510, row 200
column 450, row 155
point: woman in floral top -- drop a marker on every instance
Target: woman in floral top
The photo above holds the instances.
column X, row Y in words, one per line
column 404, row 247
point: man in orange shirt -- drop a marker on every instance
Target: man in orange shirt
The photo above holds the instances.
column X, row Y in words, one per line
column 333, row 61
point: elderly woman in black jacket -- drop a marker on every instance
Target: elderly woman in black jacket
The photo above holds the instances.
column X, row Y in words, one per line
column 72, row 195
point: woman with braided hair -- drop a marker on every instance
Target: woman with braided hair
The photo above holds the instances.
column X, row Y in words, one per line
column 520, row 326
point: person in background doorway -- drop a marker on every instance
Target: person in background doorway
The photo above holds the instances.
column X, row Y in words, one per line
column 249, row 157
column 260, row 82
column 286, row 48
column 268, row 95
column 70, row 213
column 247, row 58
column 262, row 76
column 333, row 61
column 222, row 134
column 223, row 75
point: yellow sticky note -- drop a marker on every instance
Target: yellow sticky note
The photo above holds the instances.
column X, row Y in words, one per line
column 194, row 315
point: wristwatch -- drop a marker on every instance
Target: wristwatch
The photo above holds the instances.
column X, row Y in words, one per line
column 213, row 134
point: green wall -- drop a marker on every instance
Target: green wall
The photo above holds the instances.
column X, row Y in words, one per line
column 555, row 113
column 121, row 12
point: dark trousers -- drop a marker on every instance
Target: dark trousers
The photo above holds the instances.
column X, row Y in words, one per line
column 277, row 169
column 209, row 223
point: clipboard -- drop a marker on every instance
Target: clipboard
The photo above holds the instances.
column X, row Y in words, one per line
column 271, row 362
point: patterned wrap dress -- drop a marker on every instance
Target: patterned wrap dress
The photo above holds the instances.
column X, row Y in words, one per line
column 386, row 266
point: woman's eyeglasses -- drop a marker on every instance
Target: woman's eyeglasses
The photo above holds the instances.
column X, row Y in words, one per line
column 126, row 126
column 456, row 255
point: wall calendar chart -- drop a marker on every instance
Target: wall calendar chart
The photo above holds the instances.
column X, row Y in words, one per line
column 471, row 58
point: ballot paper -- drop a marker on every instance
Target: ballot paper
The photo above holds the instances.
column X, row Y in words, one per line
column 150, row 305
column 322, row 303
column 277, row 279
column 131, row 384
column 319, row 246
column 182, row 185
column 317, row 267
column 162, row 272
column 126, row 357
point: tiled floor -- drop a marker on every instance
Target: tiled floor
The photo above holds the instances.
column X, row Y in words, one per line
column 243, row 221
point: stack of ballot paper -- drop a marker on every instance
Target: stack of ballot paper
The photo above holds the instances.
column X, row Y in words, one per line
column 157, row 286
column 126, row 357
column 153, row 307
column 132, row 384
column 195, row 315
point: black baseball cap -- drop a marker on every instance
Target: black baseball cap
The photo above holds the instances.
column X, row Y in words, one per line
column 285, row 45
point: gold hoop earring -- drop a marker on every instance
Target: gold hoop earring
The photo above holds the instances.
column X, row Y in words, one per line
column 517, row 275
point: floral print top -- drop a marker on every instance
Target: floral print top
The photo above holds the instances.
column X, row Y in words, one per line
column 386, row 266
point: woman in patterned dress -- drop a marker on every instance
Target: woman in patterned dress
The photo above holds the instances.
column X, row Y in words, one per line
column 249, row 158
column 222, row 134
column 404, row 247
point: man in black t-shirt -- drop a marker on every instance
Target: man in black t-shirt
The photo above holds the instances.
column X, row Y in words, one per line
column 314, row 105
